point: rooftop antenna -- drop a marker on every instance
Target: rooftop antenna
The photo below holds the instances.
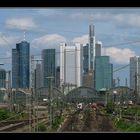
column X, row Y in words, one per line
column 24, row 35
column 91, row 19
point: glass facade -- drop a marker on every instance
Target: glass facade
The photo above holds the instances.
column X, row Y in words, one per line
column 91, row 46
column 21, row 65
column 103, row 73
column 48, row 66
column 85, row 59
column 98, row 47
column 2, row 78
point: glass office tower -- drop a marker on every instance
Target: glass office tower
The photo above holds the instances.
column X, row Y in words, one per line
column 103, row 73
column 21, row 65
column 48, row 67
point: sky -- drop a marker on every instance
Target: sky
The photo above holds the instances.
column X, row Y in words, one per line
column 117, row 28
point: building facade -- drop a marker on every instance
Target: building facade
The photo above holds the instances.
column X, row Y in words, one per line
column 135, row 74
column 98, row 48
column 2, row 78
column 88, row 80
column 103, row 73
column 38, row 76
column 71, row 64
column 85, row 58
column 21, row 65
column 91, row 46
column 49, row 67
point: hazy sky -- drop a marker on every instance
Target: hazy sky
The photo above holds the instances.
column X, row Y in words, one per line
column 116, row 28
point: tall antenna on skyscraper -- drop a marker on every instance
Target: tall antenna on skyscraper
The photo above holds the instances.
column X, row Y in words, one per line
column 24, row 35
column 91, row 19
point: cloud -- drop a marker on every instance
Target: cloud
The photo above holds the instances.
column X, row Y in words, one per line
column 119, row 55
column 8, row 54
column 96, row 16
column 124, row 20
column 83, row 39
column 6, row 40
column 49, row 12
column 20, row 23
column 48, row 41
column 120, row 19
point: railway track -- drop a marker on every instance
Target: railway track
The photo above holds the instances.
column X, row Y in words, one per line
column 72, row 120
column 90, row 122
column 13, row 125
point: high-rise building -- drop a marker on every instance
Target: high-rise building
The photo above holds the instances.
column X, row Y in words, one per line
column 49, row 67
column 2, row 78
column 88, row 80
column 91, row 47
column 21, row 65
column 103, row 73
column 98, row 47
column 15, row 68
column 85, row 59
column 135, row 73
column 71, row 64
column 38, row 76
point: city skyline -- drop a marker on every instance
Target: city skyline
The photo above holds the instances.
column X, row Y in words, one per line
column 46, row 28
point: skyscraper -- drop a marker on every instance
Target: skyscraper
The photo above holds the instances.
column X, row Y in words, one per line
column 135, row 73
column 48, row 66
column 38, row 76
column 2, row 78
column 103, row 73
column 71, row 64
column 21, row 65
column 98, row 47
column 85, row 59
column 91, row 47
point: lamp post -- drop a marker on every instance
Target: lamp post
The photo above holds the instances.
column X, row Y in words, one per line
column 46, row 100
column 114, row 95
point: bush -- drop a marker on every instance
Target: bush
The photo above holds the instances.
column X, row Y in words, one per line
column 110, row 107
column 42, row 128
column 4, row 114
column 122, row 124
column 57, row 121
column 126, row 126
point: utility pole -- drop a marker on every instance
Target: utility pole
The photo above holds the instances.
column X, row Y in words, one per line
column 118, row 81
column 114, row 82
column 50, row 101
column 9, row 89
column 63, row 91
column 136, row 94
column 34, row 95
column 35, row 92
column 32, row 119
column 126, row 82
